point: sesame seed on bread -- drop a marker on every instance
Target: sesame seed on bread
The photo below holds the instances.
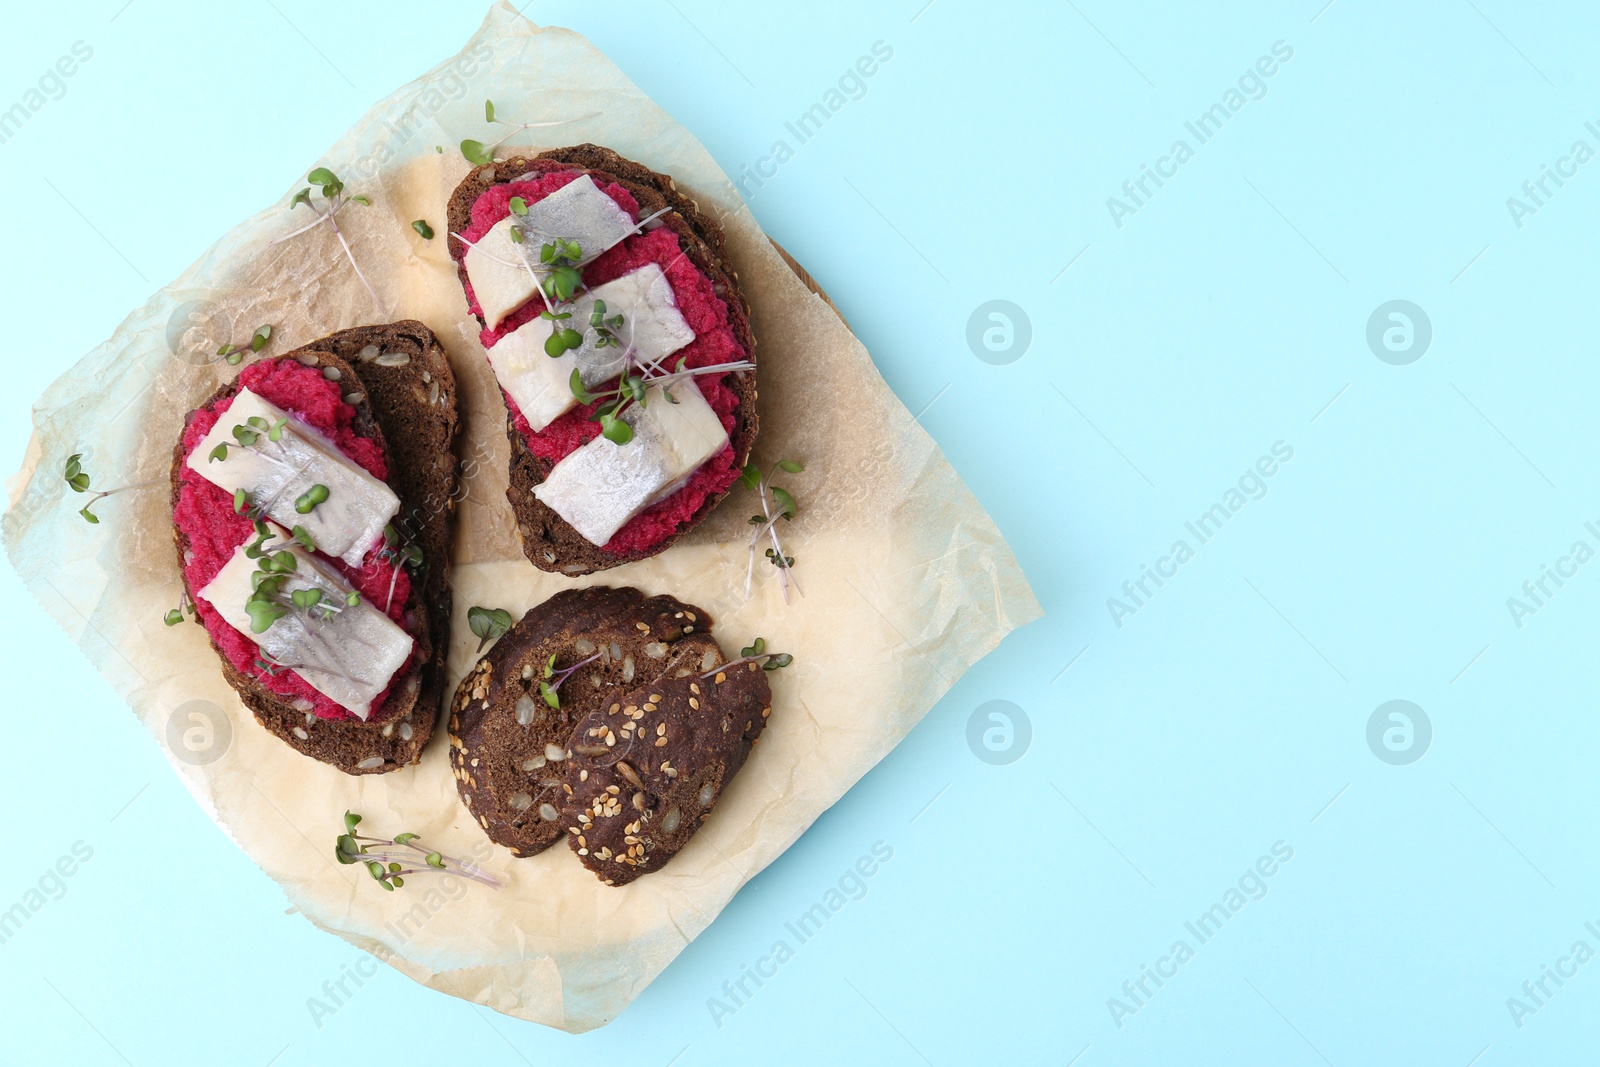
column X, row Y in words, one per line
column 638, row 731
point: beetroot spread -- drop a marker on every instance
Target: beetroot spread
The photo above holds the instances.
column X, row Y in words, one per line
column 704, row 311
column 205, row 514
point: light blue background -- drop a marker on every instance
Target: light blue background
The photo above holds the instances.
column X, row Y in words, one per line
column 1228, row 714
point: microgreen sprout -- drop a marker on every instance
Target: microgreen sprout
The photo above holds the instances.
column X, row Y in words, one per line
column 185, row 607
column 234, row 354
column 335, row 197
column 393, row 551
column 307, row 501
column 561, row 337
column 560, row 258
column 267, row 603
column 605, row 329
column 550, row 686
column 488, row 623
column 755, row 652
column 77, row 480
column 776, row 503
column 391, row 859
column 482, row 155
column 424, row 231
column 634, row 388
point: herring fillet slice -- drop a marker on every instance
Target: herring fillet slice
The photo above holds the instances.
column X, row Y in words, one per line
column 348, row 656
column 506, row 274
column 600, row 486
column 276, row 473
column 653, row 328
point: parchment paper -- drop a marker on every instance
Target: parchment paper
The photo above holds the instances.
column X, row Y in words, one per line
column 906, row 580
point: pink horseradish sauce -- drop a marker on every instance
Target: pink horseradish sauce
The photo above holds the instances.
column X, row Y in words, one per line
column 205, row 514
column 704, row 311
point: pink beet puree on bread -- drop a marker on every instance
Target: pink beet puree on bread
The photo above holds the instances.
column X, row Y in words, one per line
column 702, row 309
column 204, row 512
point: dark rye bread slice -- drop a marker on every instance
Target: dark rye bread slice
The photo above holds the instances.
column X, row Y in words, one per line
column 549, row 542
column 410, row 406
column 653, row 762
column 508, row 747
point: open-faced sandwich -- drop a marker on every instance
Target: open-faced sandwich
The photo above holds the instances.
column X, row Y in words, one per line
column 609, row 717
column 312, row 501
column 615, row 327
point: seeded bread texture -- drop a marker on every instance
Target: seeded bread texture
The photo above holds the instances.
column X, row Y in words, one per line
column 410, row 406
column 509, row 748
column 547, row 539
column 653, row 762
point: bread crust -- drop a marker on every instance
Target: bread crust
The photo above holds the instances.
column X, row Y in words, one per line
column 411, row 410
column 549, row 542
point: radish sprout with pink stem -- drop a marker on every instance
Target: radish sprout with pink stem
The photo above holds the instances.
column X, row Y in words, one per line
column 390, row 860
column 77, row 480
column 553, row 678
column 482, row 155
column 756, row 652
column 333, row 192
column 776, row 504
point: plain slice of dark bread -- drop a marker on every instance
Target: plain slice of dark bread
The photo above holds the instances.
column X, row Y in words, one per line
column 547, row 539
column 398, row 378
column 508, row 746
column 651, row 764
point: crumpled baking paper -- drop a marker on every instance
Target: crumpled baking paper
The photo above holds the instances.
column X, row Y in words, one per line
column 906, row 581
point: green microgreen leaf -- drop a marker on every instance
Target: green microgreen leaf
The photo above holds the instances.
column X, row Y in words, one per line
column 488, row 111
column 263, row 613
column 424, row 231
column 750, row 477
column 353, row 598
column 781, row 660
column 790, row 466
column 307, row 501
column 259, row 339
column 405, row 838
column 550, row 665
column 785, row 502
column 306, row 599
column 549, row 694
column 488, row 623
column 615, row 430
column 89, row 516
column 173, row 617
column 518, row 206
column 476, row 153
column 328, row 181
column 220, row 452
column 302, row 197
